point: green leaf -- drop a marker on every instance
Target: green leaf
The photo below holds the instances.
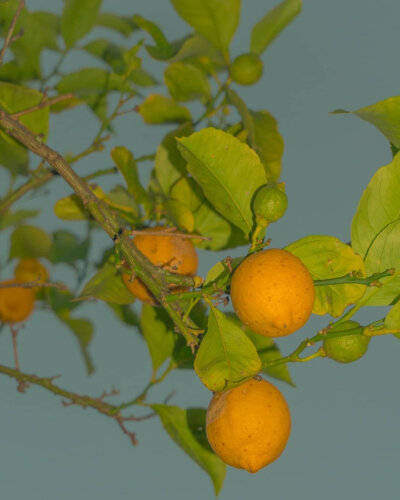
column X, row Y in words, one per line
column 108, row 52
column 384, row 115
column 187, row 429
column 49, row 28
column 269, row 351
column 198, row 51
column 67, row 247
column 126, row 164
column 226, row 356
column 156, row 109
column 266, row 30
column 228, row 171
column 216, row 20
column 61, row 302
column 392, row 319
column 13, row 218
column 158, row 332
column 268, row 143
column 71, row 208
column 107, row 285
column 163, row 49
column 29, row 241
column 79, row 17
column 384, row 295
column 91, row 81
column 83, row 331
column 13, row 155
column 122, row 200
column 263, row 135
column 186, row 82
column 187, row 192
column 220, row 272
column 208, row 222
column 375, row 230
column 141, row 77
column 179, row 214
column 14, row 98
column 122, row 24
column 169, row 164
column 327, row 257
column 125, row 313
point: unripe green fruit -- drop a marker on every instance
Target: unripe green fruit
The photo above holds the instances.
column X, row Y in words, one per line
column 347, row 348
column 270, row 204
column 246, row 69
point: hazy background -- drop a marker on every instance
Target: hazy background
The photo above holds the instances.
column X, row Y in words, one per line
column 345, row 441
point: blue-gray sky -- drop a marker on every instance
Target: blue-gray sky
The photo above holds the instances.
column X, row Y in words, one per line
column 345, row 441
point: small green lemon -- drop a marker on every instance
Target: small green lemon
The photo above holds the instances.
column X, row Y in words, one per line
column 347, row 348
column 246, row 69
column 270, row 204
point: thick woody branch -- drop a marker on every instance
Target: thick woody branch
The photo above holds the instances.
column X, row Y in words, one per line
column 154, row 278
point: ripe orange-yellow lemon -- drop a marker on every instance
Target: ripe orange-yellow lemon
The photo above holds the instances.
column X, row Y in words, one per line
column 248, row 426
column 16, row 304
column 272, row 292
column 30, row 269
column 173, row 253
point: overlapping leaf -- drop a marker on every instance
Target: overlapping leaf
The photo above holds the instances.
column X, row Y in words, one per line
column 327, row 257
column 266, row 30
column 228, row 171
column 226, row 357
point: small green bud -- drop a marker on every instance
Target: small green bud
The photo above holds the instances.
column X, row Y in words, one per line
column 347, row 348
column 246, row 69
column 270, row 204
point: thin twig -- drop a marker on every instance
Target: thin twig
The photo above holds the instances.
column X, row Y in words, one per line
column 34, row 284
column 42, row 104
column 153, row 277
column 10, row 32
column 169, row 232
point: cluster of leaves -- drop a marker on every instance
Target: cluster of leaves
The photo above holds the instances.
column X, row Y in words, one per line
column 206, row 172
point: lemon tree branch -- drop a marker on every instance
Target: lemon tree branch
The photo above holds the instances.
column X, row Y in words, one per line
column 153, row 277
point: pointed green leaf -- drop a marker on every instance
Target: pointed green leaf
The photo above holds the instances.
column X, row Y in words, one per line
column 156, row 109
column 208, row 222
column 29, row 241
column 263, row 135
column 392, row 319
column 375, row 230
column 188, row 192
column 169, row 164
column 226, row 356
column 187, row 429
column 268, row 143
column 67, row 247
column 186, row 82
column 385, row 295
column 71, row 208
column 327, row 257
column 14, row 98
column 179, row 214
column 49, row 28
column 220, row 272
column 228, row 171
column 125, row 313
column 126, row 164
column 267, row 351
column 163, row 49
column 266, row 30
column 13, row 218
column 157, row 329
column 108, row 52
column 83, row 331
column 91, row 81
column 107, row 285
column 122, row 24
column 216, row 20
column 79, row 17
column 384, row 115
